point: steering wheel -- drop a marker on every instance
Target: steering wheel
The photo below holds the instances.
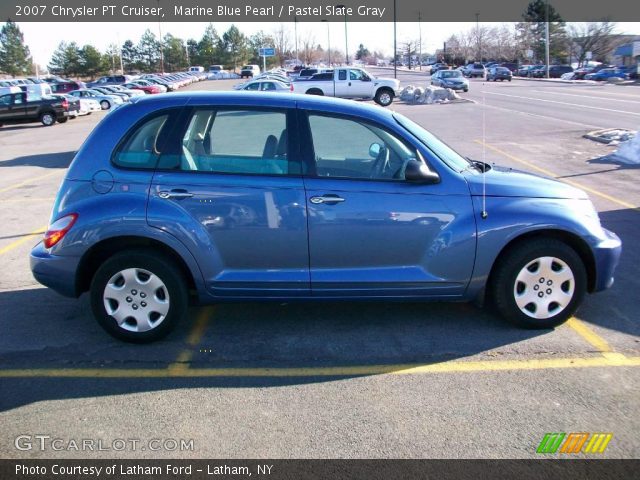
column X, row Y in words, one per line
column 381, row 163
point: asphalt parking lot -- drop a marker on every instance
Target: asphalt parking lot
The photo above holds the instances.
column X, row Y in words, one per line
column 346, row 380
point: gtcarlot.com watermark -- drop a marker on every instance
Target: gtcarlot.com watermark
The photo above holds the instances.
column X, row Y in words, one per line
column 56, row 444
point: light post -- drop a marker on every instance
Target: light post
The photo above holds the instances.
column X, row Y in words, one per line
column 160, row 42
column 478, row 36
column 395, row 42
column 295, row 30
column 420, row 39
column 328, row 40
column 346, row 42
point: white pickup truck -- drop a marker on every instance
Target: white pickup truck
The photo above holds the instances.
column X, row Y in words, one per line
column 350, row 83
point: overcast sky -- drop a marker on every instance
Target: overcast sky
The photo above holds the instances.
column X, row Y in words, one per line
column 43, row 40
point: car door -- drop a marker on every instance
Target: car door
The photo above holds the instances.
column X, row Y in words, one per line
column 341, row 83
column 359, row 84
column 231, row 189
column 5, row 106
column 372, row 233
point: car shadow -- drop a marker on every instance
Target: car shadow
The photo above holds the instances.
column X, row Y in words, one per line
column 45, row 331
column 44, row 160
column 20, row 127
column 612, row 160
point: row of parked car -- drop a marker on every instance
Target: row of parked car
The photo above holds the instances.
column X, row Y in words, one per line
column 54, row 99
column 595, row 72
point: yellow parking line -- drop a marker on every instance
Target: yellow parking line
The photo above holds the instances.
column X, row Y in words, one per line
column 29, row 181
column 342, row 371
column 181, row 363
column 595, row 340
column 22, row 240
column 549, row 173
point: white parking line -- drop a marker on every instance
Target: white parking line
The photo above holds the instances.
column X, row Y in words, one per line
column 564, row 103
column 591, row 97
column 588, row 125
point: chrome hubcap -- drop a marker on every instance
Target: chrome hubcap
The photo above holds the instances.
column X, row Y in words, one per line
column 137, row 299
column 385, row 98
column 544, row 287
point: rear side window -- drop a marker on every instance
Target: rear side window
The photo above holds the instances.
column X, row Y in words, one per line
column 342, row 74
column 241, row 141
column 142, row 148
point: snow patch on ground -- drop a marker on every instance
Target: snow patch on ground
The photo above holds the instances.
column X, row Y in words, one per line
column 628, row 152
column 429, row 95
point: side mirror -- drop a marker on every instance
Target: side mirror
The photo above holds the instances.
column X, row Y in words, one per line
column 374, row 150
column 418, row 172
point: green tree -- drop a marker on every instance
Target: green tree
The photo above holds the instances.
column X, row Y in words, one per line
column 175, row 55
column 66, row 60
column 149, row 52
column 112, row 57
column 15, row 58
column 235, row 46
column 362, row 53
column 130, row 56
column 208, row 48
column 531, row 32
column 92, row 62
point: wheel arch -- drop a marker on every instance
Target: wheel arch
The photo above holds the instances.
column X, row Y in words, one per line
column 571, row 239
column 314, row 91
column 101, row 251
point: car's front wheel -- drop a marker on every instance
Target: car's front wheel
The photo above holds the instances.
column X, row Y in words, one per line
column 539, row 283
column 384, row 97
column 105, row 105
column 137, row 296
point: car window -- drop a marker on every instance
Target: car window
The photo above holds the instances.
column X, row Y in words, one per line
column 17, row 99
column 347, row 148
column 342, row 74
column 253, row 86
column 266, row 86
column 240, row 141
column 5, row 100
column 141, row 149
column 355, row 75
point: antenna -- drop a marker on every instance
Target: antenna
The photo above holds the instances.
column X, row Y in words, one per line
column 484, row 213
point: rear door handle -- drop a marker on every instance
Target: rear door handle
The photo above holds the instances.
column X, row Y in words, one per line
column 328, row 199
column 174, row 194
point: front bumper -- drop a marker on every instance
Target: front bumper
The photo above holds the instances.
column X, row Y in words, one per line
column 606, row 255
column 56, row 272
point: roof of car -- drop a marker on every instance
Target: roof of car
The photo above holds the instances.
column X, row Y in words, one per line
column 244, row 98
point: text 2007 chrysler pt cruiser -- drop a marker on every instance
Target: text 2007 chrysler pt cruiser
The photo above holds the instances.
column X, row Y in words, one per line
column 241, row 196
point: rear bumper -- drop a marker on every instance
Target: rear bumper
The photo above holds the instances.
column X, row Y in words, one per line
column 56, row 272
column 607, row 255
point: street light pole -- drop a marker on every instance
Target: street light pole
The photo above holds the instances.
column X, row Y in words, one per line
column 420, row 40
column 160, row 42
column 546, row 39
column 295, row 28
column 395, row 42
column 478, row 37
column 328, row 40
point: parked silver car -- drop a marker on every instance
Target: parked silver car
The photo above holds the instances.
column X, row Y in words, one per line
column 106, row 101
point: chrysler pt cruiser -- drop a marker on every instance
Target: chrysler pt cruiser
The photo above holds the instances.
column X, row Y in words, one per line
column 214, row 197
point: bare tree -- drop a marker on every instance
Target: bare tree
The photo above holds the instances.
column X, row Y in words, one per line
column 595, row 37
column 282, row 43
column 310, row 53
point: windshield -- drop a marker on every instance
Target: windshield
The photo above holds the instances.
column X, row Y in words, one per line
column 451, row 74
column 438, row 147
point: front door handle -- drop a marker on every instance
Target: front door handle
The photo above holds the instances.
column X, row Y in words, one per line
column 174, row 194
column 328, row 199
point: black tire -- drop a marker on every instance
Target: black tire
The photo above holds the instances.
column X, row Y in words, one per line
column 158, row 265
column 48, row 118
column 315, row 91
column 503, row 281
column 384, row 97
column 63, row 119
column 466, row 90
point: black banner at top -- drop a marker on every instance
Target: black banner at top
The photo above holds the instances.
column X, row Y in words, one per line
column 307, row 10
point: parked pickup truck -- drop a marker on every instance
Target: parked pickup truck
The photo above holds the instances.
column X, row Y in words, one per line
column 15, row 108
column 350, row 83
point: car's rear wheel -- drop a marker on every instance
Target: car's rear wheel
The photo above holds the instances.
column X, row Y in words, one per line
column 384, row 97
column 48, row 118
column 64, row 119
column 105, row 105
column 137, row 296
column 539, row 283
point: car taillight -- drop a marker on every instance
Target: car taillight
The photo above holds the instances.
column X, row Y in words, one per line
column 65, row 104
column 58, row 229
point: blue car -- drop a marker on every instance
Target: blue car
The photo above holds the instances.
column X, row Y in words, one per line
column 607, row 73
column 218, row 197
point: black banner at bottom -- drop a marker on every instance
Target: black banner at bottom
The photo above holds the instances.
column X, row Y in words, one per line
column 561, row 469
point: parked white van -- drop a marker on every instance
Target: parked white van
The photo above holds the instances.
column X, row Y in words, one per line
column 197, row 69
column 250, row 71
